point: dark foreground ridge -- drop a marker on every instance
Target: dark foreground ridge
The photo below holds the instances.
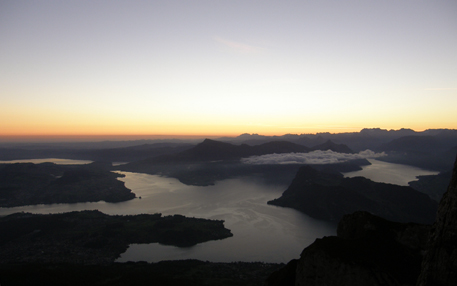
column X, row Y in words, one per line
column 165, row 273
column 48, row 183
column 91, row 237
column 369, row 250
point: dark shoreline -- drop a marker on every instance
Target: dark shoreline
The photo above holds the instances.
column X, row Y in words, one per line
column 92, row 237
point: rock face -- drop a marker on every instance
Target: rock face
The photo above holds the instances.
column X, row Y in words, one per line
column 369, row 250
column 439, row 266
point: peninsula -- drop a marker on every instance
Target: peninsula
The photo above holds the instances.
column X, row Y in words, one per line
column 92, row 237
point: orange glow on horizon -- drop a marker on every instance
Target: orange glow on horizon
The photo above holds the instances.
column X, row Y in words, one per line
column 186, row 132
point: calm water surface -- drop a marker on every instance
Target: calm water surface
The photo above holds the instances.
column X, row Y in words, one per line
column 261, row 232
column 384, row 172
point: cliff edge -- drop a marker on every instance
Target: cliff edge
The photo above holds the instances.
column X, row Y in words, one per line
column 370, row 250
column 439, row 266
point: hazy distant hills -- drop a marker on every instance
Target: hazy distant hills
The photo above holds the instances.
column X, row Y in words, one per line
column 436, row 151
column 431, row 149
column 211, row 150
column 213, row 160
column 420, row 144
column 368, row 138
column 330, row 145
column 121, row 154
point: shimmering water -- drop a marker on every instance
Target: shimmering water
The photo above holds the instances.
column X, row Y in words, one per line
column 261, row 232
column 385, row 172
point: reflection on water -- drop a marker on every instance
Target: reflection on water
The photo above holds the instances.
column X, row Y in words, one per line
column 384, row 172
column 261, row 232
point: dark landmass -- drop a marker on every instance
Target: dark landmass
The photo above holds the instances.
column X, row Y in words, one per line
column 211, row 161
column 67, row 151
column 367, row 138
column 337, row 168
column 433, row 152
column 419, row 144
column 47, row 183
column 94, row 144
column 432, row 149
column 278, row 174
column 440, row 260
column 436, row 161
column 432, row 185
column 329, row 196
column 207, row 173
column 369, row 250
column 330, row 145
column 91, row 237
column 165, row 273
column 211, row 150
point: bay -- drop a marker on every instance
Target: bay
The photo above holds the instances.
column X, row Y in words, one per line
column 384, row 172
column 261, row 232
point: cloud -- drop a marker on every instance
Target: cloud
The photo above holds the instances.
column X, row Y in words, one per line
column 314, row 158
column 238, row 47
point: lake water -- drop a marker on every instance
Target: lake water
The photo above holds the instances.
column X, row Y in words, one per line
column 261, row 232
column 385, row 172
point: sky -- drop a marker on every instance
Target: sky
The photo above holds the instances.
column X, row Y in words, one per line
column 226, row 67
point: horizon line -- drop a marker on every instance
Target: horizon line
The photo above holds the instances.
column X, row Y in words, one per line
column 39, row 138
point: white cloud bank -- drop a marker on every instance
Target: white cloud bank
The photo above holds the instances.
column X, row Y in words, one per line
column 314, row 158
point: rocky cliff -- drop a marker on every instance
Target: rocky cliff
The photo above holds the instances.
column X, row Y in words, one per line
column 369, row 250
column 439, row 266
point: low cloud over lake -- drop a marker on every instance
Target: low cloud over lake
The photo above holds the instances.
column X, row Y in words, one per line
column 315, row 157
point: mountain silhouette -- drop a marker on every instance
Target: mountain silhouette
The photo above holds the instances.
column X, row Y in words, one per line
column 330, row 145
column 330, row 196
column 212, row 150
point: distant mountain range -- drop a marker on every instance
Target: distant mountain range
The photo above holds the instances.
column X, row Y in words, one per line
column 211, row 150
column 431, row 149
column 358, row 141
column 214, row 160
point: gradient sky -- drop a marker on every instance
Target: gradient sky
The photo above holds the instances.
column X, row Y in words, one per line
column 226, row 67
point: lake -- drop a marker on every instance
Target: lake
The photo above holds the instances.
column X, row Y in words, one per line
column 385, row 172
column 261, row 232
